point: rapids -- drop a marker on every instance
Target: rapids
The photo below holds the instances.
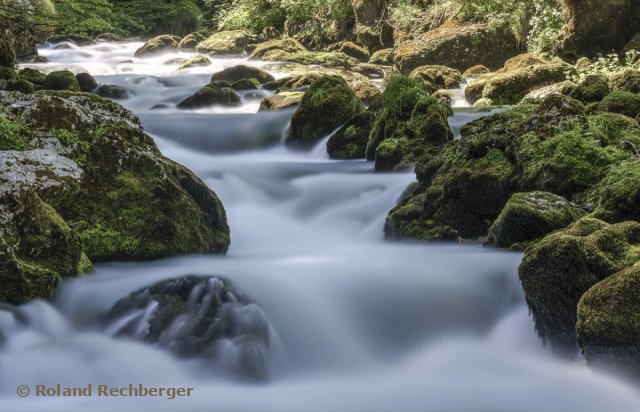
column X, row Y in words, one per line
column 356, row 323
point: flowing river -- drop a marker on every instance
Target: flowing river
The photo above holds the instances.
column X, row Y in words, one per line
column 356, row 323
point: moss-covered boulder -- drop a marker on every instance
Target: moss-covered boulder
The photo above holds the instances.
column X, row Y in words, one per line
column 592, row 89
column 86, row 82
column 298, row 81
column 512, row 86
column 326, row 59
column 281, row 100
column 242, row 72
column 411, row 121
column 366, row 91
column 210, row 95
column 522, row 61
column 617, row 197
column 61, row 80
column 530, row 216
column 131, row 203
column 351, row 49
column 350, row 141
column 200, row 61
column 556, row 272
column 625, row 103
column 476, row 70
column 37, row 248
column 625, row 81
column 458, row 46
column 34, row 76
column 328, row 104
column 191, row 40
column 225, row 42
column 383, row 57
column 246, row 84
column 548, row 145
column 7, row 54
column 608, row 324
column 111, row 91
column 157, row 45
column 439, row 76
column 288, row 45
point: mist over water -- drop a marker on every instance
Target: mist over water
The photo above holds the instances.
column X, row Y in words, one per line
column 356, row 323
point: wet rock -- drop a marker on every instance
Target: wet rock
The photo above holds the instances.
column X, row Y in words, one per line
column 61, row 80
column 350, row 141
column 191, row 41
column 288, row 45
column 197, row 317
column 86, row 82
column 327, row 104
column 157, row 45
column 132, row 203
column 281, row 100
column 456, row 45
column 530, row 216
column 556, row 272
column 111, row 91
column 366, row 91
column 210, row 95
column 242, row 72
column 225, row 42
column 246, row 84
column 295, row 82
column 370, row 70
column 200, row 61
column 607, row 328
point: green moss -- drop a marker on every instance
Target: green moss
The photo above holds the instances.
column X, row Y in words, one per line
column 326, row 59
column 79, row 146
column 195, row 62
column 12, row 137
column 210, row 95
column 556, row 272
column 593, row 89
column 616, row 130
column 617, row 196
column 625, row 103
column 325, row 106
column 608, row 323
column 439, row 76
column 61, row 80
column 350, row 141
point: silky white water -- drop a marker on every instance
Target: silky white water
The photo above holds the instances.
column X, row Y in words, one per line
column 357, row 323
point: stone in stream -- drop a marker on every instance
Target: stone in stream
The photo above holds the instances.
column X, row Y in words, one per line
column 327, row 105
column 288, row 45
column 157, row 45
column 197, row 317
column 557, row 272
column 86, row 82
column 281, row 100
column 61, row 80
column 242, row 72
column 111, row 91
column 438, row 77
column 225, row 42
column 210, row 95
column 131, row 203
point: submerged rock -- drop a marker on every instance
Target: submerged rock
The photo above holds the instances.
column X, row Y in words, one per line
column 556, row 272
column 197, row 317
column 327, row 104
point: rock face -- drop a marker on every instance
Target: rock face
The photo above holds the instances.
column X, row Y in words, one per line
column 197, row 317
column 458, row 46
column 530, row 216
column 556, row 273
column 131, row 202
column 327, row 104
column 608, row 328
column 158, row 45
column 225, row 42
column 595, row 27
